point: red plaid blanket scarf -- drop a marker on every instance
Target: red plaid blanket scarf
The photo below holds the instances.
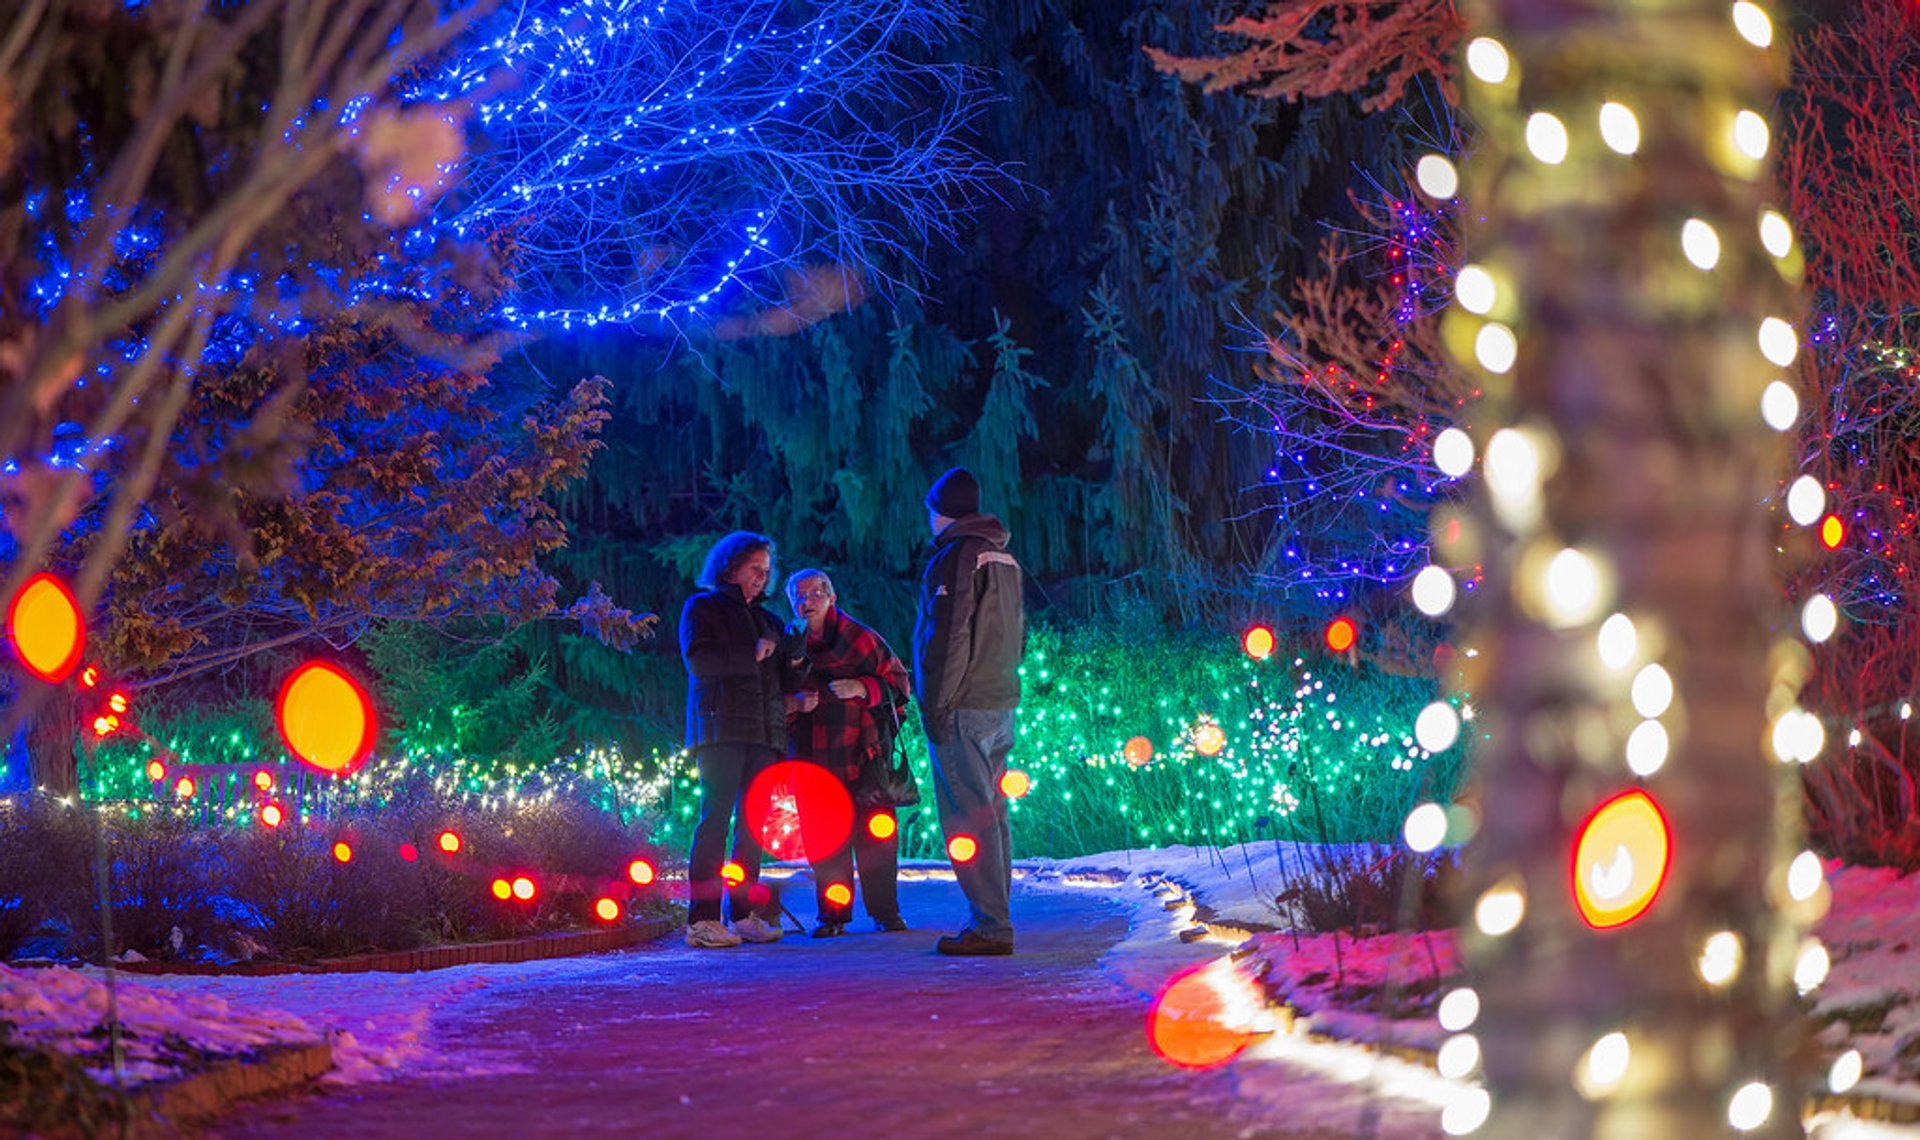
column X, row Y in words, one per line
column 843, row 735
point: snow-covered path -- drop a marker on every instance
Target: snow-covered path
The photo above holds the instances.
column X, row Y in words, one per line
column 869, row 1035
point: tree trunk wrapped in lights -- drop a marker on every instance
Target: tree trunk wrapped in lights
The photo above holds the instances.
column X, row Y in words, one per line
column 1628, row 320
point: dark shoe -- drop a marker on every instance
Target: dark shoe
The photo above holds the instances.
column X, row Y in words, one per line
column 893, row 925
column 967, row 944
column 830, row 930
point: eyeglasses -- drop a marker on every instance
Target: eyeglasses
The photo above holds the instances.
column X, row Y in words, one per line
column 818, row 595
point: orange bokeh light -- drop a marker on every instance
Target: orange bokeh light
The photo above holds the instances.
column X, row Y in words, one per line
column 46, row 629
column 156, row 771
column 185, row 788
column 502, row 889
column 1620, row 860
column 1186, row 1025
column 733, row 874
column 1341, row 634
column 325, row 718
column 1209, row 739
column 839, row 894
column 523, row 888
column 607, row 910
column 962, row 848
column 882, row 826
column 1015, row 784
column 1833, row 532
column 450, row 842
column 1138, row 751
column 272, row 816
column 1257, row 643
column 798, row 810
column 263, row 780
column 640, row 871
column 343, row 852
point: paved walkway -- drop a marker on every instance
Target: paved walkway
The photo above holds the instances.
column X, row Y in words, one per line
column 871, row 1036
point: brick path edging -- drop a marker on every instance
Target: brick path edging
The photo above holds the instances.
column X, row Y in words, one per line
column 167, row 1106
column 434, row 957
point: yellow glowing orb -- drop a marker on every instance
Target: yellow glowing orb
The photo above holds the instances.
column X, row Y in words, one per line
column 343, row 852
column 607, row 910
column 185, row 788
column 733, row 874
column 1833, row 532
column 839, row 894
column 450, row 842
column 1138, row 751
column 1015, row 784
column 117, row 702
column 962, row 848
column 1257, row 642
column 156, row 771
column 882, row 826
column 1209, row 739
column 46, row 629
column 271, row 815
column 325, row 718
column 502, row 889
column 1620, row 860
column 640, row 871
column 263, row 781
column 523, row 888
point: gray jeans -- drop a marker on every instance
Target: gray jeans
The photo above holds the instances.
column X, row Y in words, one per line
column 969, row 757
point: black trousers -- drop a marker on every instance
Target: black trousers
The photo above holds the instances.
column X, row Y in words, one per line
column 725, row 772
column 879, row 865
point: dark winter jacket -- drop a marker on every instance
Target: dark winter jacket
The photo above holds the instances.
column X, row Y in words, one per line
column 972, row 629
column 732, row 698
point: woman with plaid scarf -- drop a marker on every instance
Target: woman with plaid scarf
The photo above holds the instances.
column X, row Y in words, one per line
column 844, row 717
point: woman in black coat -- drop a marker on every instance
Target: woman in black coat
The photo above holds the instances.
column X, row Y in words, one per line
column 738, row 672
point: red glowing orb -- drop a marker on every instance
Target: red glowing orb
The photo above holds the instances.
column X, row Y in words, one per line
column 325, row 717
column 409, row 853
column 46, row 629
column 1209, row 739
column 1833, row 532
column 117, row 702
column 272, row 816
column 606, row 910
column 1257, row 642
column 156, row 771
column 640, row 871
column 1621, row 859
column 1341, row 634
column 502, row 889
column 962, row 848
column 105, row 725
column 882, row 826
column 343, row 852
column 732, row 874
column 1187, row 1024
column 1015, row 784
column 450, row 842
column 799, row 811
column 185, row 788
column 839, row 894
column 90, row 676
column 263, row 780
column 523, row 888
column 1138, row 751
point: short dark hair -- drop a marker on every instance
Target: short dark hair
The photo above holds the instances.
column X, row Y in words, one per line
column 729, row 553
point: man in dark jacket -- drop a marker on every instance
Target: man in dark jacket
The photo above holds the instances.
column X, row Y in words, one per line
column 967, row 647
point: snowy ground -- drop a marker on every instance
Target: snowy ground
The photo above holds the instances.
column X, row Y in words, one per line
column 383, row 1025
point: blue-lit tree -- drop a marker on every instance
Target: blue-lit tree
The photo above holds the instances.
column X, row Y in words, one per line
column 651, row 163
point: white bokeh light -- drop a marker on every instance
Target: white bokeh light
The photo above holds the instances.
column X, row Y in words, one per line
column 1619, row 128
column 1458, row 1056
column 1607, row 1061
column 1751, row 135
column 1806, row 500
column 1805, row 876
column 1436, row 176
column 1474, row 288
column 1487, row 58
column 1819, row 618
column 1547, row 138
column 1453, row 452
column 1437, row 727
column 1780, row 405
column 1652, row 691
column 1750, row 1106
column 1750, row 20
column 1776, row 233
column 1426, row 827
column 1466, row 1111
column 1719, row 961
column 1700, row 242
column 1778, row 342
column 1500, row 910
column 1811, row 968
column 1572, row 587
column 1846, row 1072
column 1496, row 348
column 1433, row 591
column 1798, row 737
column 1459, row 1009
column 1618, row 642
column 1647, row 747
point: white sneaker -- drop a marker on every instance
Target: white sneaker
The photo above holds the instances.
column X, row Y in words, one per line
column 753, row 928
column 708, row 934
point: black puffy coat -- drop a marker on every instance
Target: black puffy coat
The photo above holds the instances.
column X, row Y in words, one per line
column 732, row 698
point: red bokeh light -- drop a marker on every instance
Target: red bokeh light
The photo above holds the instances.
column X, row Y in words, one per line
column 117, row 702
column 1341, row 634
column 272, row 816
column 640, row 871
column 343, row 852
column 156, row 771
column 325, row 718
column 1257, row 643
column 185, row 788
column 263, row 780
column 1138, row 751
column 799, row 811
column 1015, row 784
column 962, row 848
column 1186, row 1026
column 450, row 842
column 90, row 676
column 523, row 888
column 409, row 853
column 607, row 910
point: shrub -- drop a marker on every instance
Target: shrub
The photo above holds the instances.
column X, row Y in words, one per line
column 1369, row 890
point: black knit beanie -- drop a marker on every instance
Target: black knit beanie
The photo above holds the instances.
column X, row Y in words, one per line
column 955, row 494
